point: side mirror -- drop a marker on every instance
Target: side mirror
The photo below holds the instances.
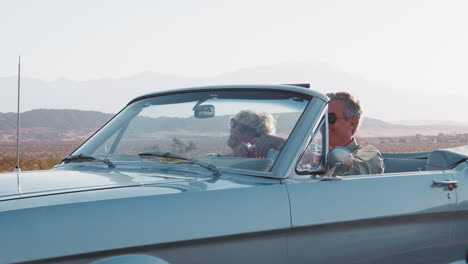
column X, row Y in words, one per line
column 204, row 111
column 339, row 161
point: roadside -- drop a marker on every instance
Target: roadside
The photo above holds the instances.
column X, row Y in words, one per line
column 43, row 155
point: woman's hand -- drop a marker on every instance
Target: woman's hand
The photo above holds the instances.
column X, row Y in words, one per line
column 242, row 150
column 267, row 142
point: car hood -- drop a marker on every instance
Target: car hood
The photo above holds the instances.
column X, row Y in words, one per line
column 36, row 183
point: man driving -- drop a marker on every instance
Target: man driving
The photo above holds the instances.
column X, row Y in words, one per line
column 344, row 117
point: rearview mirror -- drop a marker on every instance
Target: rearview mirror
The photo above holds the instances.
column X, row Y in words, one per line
column 204, row 111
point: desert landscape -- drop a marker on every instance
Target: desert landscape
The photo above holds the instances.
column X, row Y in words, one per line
column 44, row 154
column 47, row 136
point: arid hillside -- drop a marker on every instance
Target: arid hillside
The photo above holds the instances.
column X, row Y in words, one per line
column 77, row 125
column 47, row 136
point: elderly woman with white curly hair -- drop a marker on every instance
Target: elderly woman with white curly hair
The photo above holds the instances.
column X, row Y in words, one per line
column 252, row 134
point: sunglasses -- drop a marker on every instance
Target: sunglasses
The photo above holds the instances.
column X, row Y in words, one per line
column 332, row 118
column 233, row 123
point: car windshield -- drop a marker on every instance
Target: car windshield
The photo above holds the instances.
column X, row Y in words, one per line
column 215, row 127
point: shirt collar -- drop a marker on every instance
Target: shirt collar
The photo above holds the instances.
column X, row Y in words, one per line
column 352, row 145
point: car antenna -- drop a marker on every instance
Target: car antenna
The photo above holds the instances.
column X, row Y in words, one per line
column 17, row 168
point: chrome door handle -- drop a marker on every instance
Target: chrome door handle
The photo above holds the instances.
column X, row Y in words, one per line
column 451, row 184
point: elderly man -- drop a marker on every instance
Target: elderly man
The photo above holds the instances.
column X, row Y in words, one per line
column 344, row 116
column 252, row 134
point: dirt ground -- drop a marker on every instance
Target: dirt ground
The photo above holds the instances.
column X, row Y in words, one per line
column 38, row 155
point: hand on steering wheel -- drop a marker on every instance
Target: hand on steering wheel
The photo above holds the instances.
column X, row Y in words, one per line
column 244, row 150
column 266, row 142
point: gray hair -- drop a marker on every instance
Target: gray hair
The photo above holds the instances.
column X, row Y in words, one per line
column 261, row 122
column 352, row 106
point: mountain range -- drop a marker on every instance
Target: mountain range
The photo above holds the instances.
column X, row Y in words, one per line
column 69, row 124
column 379, row 99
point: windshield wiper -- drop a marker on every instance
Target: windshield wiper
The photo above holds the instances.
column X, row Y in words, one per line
column 86, row 158
column 210, row 167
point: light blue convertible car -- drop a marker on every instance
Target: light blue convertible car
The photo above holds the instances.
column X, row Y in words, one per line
column 160, row 184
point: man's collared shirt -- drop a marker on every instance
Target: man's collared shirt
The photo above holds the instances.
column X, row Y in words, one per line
column 366, row 159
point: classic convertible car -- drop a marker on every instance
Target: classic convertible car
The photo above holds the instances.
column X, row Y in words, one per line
column 159, row 184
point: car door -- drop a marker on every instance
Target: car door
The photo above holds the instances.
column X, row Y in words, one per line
column 460, row 230
column 384, row 218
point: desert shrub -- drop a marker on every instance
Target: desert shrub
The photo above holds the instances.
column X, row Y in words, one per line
column 8, row 163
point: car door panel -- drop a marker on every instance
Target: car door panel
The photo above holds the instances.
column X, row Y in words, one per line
column 460, row 230
column 369, row 216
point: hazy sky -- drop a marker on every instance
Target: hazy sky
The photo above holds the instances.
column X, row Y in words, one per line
column 420, row 45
